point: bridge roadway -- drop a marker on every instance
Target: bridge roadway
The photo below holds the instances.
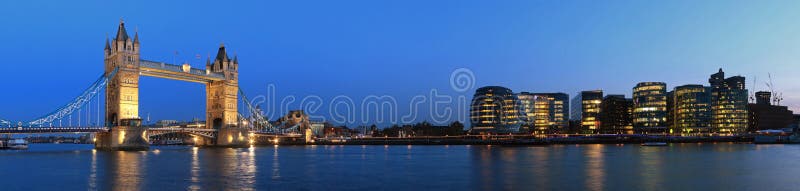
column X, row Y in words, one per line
column 30, row 130
column 43, row 130
column 208, row 133
column 178, row 72
column 151, row 131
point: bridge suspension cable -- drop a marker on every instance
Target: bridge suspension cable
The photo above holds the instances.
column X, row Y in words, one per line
column 77, row 103
column 257, row 120
column 5, row 123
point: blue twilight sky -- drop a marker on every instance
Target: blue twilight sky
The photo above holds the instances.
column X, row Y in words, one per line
column 52, row 50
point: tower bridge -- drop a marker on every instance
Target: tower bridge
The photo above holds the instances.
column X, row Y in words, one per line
column 121, row 127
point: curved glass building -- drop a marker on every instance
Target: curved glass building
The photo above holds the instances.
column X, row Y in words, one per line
column 496, row 109
column 692, row 110
column 650, row 107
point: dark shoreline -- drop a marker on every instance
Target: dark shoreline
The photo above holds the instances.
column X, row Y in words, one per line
column 496, row 142
column 508, row 142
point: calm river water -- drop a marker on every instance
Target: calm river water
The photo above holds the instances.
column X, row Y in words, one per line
column 721, row 166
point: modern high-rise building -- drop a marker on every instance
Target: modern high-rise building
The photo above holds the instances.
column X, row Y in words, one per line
column 650, row 107
column 691, row 110
column 546, row 112
column 496, row 109
column 728, row 104
column 763, row 115
column 671, row 112
column 585, row 109
column 527, row 101
column 615, row 115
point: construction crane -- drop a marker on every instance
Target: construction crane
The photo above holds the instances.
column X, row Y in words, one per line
column 776, row 96
column 753, row 93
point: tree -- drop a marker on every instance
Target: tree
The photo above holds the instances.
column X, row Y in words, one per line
column 455, row 128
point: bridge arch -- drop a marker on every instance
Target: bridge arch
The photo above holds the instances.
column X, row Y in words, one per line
column 217, row 123
column 113, row 118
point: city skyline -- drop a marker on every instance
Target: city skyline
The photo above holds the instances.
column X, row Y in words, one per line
column 373, row 56
column 399, row 95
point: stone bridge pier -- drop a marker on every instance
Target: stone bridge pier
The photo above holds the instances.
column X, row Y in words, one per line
column 130, row 135
column 233, row 137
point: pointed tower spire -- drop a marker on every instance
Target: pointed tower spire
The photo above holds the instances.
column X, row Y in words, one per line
column 222, row 55
column 208, row 60
column 121, row 33
column 235, row 61
column 108, row 47
column 136, row 36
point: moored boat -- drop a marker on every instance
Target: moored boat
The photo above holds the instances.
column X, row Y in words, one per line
column 654, row 144
column 18, row 144
column 776, row 136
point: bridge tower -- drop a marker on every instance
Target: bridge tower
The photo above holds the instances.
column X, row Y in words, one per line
column 222, row 100
column 122, row 95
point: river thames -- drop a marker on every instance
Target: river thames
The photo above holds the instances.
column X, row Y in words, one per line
column 720, row 166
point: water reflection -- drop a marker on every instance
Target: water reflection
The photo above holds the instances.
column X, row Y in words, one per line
column 238, row 168
column 595, row 167
column 650, row 166
column 125, row 169
column 556, row 167
column 505, row 168
column 485, row 167
column 93, row 171
column 276, row 164
column 541, row 167
column 194, row 170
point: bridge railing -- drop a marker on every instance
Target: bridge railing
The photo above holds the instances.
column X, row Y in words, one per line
column 178, row 129
column 178, row 68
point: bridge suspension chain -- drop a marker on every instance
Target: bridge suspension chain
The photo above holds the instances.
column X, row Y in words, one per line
column 77, row 103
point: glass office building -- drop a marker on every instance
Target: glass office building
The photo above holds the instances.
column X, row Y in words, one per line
column 691, row 110
column 615, row 115
column 728, row 104
column 496, row 109
column 546, row 112
column 527, row 101
column 585, row 109
column 650, row 107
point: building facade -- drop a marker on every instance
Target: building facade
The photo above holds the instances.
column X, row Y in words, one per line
column 691, row 110
column 763, row 115
column 295, row 120
column 615, row 115
column 496, row 109
column 546, row 112
column 650, row 107
column 527, row 105
column 585, row 109
column 728, row 104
